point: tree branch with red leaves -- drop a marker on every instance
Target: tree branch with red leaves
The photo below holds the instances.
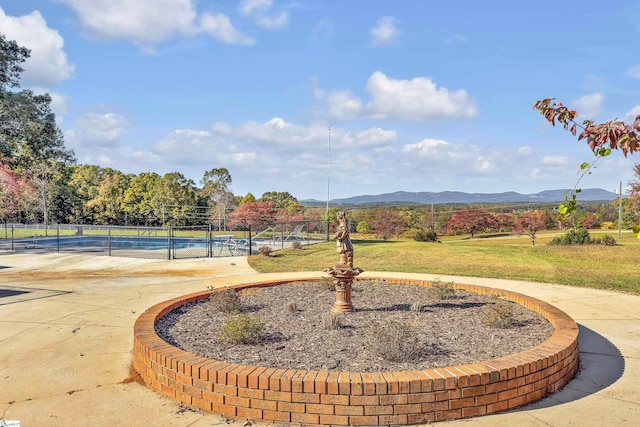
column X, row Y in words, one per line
column 601, row 139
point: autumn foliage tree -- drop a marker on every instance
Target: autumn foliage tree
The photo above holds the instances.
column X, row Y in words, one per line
column 388, row 223
column 256, row 214
column 471, row 221
column 530, row 223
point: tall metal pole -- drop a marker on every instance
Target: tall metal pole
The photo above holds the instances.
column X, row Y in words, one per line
column 620, row 212
column 328, row 179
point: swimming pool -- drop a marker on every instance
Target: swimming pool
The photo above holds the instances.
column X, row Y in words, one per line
column 139, row 246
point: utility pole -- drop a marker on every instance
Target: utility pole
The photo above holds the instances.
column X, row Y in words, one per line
column 620, row 211
column 328, row 179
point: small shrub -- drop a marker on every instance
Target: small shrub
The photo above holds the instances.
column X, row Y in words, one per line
column 395, row 341
column 327, row 284
column 292, row 307
column 501, row 315
column 576, row 236
column 417, row 306
column 426, row 236
column 607, row 240
column 332, row 321
column 265, row 250
column 226, row 301
column 242, row 329
column 442, row 291
column 296, row 245
column 635, row 228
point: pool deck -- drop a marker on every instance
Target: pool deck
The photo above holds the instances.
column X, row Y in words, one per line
column 66, row 333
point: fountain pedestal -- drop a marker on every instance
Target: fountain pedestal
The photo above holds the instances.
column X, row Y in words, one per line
column 344, row 275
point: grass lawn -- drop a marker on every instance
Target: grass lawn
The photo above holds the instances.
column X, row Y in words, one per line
column 593, row 266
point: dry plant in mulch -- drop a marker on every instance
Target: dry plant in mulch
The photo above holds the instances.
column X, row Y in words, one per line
column 394, row 327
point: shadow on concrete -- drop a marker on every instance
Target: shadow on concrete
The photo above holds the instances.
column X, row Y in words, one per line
column 601, row 364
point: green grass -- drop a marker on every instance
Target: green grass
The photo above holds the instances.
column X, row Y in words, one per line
column 593, row 266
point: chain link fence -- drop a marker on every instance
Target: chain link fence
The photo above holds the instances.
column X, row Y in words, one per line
column 154, row 242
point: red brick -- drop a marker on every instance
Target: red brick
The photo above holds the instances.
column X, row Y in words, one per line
column 368, row 384
column 274, row 379
column 378, row 410
column 363, row 420
column 392, row 382
column 270, row 405
column 497, row 407
column 320, row 382
column 415, row 384
column 421, row 397
column 447, row 395
column 421, row 418
column 285, row 379
column 508, row 394
column 461, row 403
column 348, row 410
column 281, row 396
column 313, row 408
column 309, row 381
column 253, row 379
column 439, row 382
column 305, row 418
column 474, row 411
column 252, row 393
column 254, row 414
column 344, row 383
column 219, row 408
column 296, row 381
column 264, row 378
column 336, row 399
column 393, row 399
column 452, row 414
column 307, row 397
column 237, row 401
column 332, row 383
column 517, row 401
column 364, row 400
column 202, row 404
column 473, row 391
column 381, row 383
column 392, row 419
column 342, row 420
column 410, row 408
column 291, row 407
column 213, row 397
column 276, row 416
column 357, row 387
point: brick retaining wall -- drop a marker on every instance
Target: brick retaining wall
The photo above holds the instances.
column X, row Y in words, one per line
column 357, row 398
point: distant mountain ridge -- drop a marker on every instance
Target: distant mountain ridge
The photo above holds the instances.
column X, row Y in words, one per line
column 427, row 197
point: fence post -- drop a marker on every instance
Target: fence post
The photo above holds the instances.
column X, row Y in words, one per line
column 249, row 239
column 109, row 239
column 210, row 241
column 168, row 242
column 58, row 237
column 12, row 234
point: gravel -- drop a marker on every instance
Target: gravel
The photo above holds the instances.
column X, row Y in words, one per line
column 394, row 327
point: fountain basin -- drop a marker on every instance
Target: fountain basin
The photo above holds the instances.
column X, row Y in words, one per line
column 357, row 398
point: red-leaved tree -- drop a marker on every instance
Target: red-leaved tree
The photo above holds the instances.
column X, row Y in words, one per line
column 257, row 214
column 530, row 223
column 388, row 223
column 471, row 221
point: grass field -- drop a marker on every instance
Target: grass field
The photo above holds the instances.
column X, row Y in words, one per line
column 505, row 257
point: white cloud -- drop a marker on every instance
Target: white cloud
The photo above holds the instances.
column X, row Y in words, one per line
column 47, row 66
column 259, row 10
column 391, row 99
column 554, row 160
column 220, row 28
column 633, row 72
column 152, row 21
column 426, row 147
column 588, row 106
column 632, row 114
column 98, row 130
column 385, row 32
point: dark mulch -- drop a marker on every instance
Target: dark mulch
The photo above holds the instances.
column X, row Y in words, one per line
column 401, row 322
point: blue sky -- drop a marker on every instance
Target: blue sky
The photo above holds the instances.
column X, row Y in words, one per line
column 419, row 95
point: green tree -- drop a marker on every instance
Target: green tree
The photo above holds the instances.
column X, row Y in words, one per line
column 215, row 191
column 30, row 142
column 141, row 202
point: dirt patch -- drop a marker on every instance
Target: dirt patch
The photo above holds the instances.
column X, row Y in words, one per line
column 439, row 332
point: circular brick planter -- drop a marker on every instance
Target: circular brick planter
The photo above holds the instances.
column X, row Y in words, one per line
column 357, row 398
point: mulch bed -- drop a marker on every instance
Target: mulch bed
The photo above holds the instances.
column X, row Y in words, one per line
column 411, row 325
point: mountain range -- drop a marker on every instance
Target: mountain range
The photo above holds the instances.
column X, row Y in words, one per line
column 427, row 197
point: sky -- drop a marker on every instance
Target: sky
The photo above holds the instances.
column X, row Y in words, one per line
column 333, row 98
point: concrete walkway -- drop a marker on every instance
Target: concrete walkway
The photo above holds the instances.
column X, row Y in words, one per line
column 66, row 333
